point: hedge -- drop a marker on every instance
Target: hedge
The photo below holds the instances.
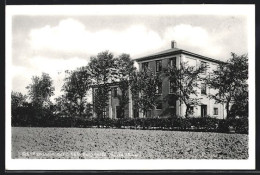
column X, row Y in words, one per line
column 205, row 124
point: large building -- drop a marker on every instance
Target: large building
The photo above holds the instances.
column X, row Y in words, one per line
column 156, row 62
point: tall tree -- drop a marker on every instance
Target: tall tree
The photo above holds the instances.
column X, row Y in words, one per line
column 18, row 100
column 230, row 81
column 40, row 90
column 102, row 68
column 124, row 72
column 76, row 86
column 101, row 99
column 185, row 80
column 144, row 89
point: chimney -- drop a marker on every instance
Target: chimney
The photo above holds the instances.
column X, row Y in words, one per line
column 173, row 44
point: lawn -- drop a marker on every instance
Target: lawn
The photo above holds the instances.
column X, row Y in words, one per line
column 89, row 143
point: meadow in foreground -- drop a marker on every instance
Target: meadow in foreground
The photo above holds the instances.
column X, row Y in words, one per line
column 89, row 143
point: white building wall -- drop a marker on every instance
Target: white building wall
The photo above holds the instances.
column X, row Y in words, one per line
column 181, row 108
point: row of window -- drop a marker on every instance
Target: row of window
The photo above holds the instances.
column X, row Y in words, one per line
column 159, row 106
column 172, row 62
column 215, row 110
column 173, row 89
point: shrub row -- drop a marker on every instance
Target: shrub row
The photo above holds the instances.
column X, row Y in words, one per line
column 206, row 124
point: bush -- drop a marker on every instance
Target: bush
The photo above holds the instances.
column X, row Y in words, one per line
column 206, row 124
column 223, row 126
column 240, row 125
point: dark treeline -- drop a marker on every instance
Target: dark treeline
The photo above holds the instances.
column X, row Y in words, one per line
column 71, row 109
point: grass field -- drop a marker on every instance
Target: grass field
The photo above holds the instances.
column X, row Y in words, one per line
column 88, row 143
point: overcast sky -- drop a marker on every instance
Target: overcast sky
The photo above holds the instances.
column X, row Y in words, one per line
column 53, row 44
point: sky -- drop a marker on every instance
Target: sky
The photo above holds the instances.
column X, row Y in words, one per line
column 53, row 44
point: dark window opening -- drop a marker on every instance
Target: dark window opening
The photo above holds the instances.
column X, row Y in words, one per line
column 203, row 88
column 172, row 102
column 159, row 88
column 203, row 64
column 172, row 88
column 136, row 113
column 145, row 66
column 158, row 65
column 172, row 62
column 203, row 110
column 191, row 111
column 119, row 112
column 115, row 92
column 215, row 111
column 159, row 105
column 104, row 113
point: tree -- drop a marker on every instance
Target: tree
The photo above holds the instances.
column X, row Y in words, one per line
column 185, row 81
column 102, row 68
column 240, row 105
column 40, row 91
column 101, row 99
column 144, row 89
column 76, row 87
column 230, row 81
column 64, row 107
column 124, row 72
column 18, row 103
column 17, row 100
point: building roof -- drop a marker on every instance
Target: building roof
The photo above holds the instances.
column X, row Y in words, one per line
column 174, row 51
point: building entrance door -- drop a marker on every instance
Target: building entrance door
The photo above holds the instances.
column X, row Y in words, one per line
column 119, row 112
column 203, row 110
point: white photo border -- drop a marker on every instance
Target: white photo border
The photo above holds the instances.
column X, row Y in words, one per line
column 114, row 164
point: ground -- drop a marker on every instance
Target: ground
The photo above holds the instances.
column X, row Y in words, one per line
column 87, row 143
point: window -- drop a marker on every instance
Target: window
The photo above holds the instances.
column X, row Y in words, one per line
column 136, row 113
column 104, row 113
column 172, row 88
column 215, row 112
column 203, row 89
column 204, row 64
column 145, row 66
column 172, row 101
column 115, row 91
column 172, row 61
column 159, row 88
column 158, row 65
column 191, row 110
column 159, row 105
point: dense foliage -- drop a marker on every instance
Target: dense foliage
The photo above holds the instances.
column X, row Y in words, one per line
column 125, row 71
column 208, row 124
column 102, row 68
column 39, row 105
column 230, row 81
column 76, row 87
column 72, row 110
column 186, row 81
column 144, row 87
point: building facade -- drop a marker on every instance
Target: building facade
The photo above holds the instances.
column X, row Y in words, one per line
column 156, row 63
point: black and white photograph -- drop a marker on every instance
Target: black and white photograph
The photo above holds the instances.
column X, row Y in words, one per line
column 130, row 87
